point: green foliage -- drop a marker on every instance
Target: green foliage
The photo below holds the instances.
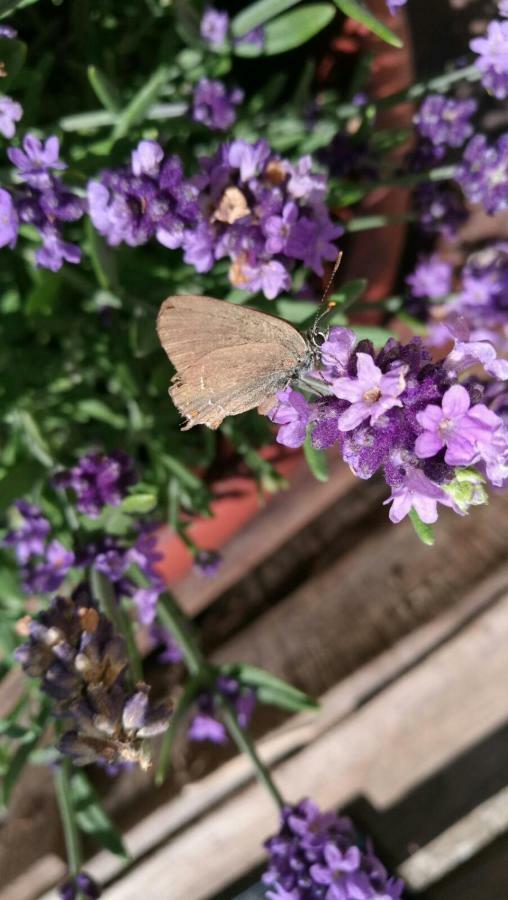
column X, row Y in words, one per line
column 423, row 531
column 357, row 10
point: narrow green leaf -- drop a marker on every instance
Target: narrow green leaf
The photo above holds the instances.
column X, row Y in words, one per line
column 12, row 57
column 269, row 685
column 22, row 754
column 139, row 503
column 17, row 732
column 96, row 409
column 258, row 14
column 103, row 259
column 92, row 819
column 296, row 311
column 379, row 336
column 7, row 7
column 356, row 10
column 425, row 532
column 104, row 90
column 137, row 109
column 316, row 460
column 297, row 27
column 33, row 438
column 88, row 121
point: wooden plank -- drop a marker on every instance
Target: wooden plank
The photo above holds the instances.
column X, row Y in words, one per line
column 372, row 596
column 403, row 735
column 45, row 872
column 198, row 798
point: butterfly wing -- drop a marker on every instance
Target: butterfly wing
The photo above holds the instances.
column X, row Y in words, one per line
column 228, row 358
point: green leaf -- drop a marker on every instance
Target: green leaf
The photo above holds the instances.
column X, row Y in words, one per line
column 357, row 11
column 7, row 7
column 258, row 14
column 12, row 57
column 316, row 460
column 379, row 336
column 350, row 292
column 139, row 503
column 137, row 109
column 33, row 438
column 269, row 688
column 17, row 732
column 104, row 90
column 22, row 754
column 425, row 532
column 96, row 409
column 92, row 818
column 297, row 27
column 42, row 299
column 296, row 311
column 19, row 481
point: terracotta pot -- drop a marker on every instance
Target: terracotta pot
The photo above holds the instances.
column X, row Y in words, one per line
column 236, row 499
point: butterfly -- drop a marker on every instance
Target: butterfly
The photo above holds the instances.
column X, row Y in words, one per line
column 230, row 358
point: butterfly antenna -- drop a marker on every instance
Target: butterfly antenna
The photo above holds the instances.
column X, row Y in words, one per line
column 326, row 305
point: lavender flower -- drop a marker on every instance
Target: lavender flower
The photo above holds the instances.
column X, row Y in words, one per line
column 98, row 480
column 6, row 31
column 371, row 393
column 207, row 562
column 293, row 413
column 417, row 492
column 445, row 121
column 394, row 5
column 214, row 105
column 432, row 278
column 36, row 160
column 214, row 27
column 8, row 220
column 149, row 198
column 10, row 113
column 456, row 426
column 492, row 50
column 205, row 724
column 254, row 38
column 483, row 173
column 28, row 536
column 80, row 887
column 81, row 662
column 314, row 856
column 171, row 651
column 440, row 207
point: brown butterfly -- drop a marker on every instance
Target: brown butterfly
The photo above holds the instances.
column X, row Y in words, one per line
column 230, row 358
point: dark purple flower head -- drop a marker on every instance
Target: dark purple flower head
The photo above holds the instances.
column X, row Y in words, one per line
column 394, row 5
column 8, row 220
column 98, row 480
column 492, row 61
column 440, row 207
column 314, row 857
column 483, row 172
column 214, row 27
column 171, row 652
column 207, row 562
column 445, row 121
column 254, row 38
column 10, row 113
column 36, row 160
column 205, row 724
column 214, row 105
column 80, row 887
column 28, row 536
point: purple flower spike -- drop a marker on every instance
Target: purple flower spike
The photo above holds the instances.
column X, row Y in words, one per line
column 293, row 413
column 8, row 220
column 146, row 158
column 81, row 885
column 207, row 562
column 432, row 278
column 6, row 31
column 36, row 160
column 455, row 426
column 214, row 27
column 492, row 50
column 10, row 113
column 483, row 172
column 371, row 393
column 214, row 105
column 445, row 121
column 336, row 352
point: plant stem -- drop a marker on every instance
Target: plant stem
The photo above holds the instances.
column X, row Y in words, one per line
column 440, row 84
column 103, row 591
column 245, row 745
column 170, row 616
column 69, row 824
